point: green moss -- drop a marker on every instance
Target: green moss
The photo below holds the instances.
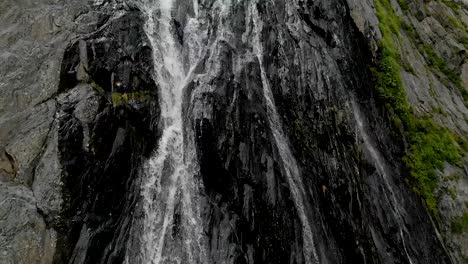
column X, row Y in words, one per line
column 404, row 5
column 454, row 22
column 460, row 225
column 452, row 5
column 463, row 143
column 430, row 144
column 464, row 41
column 439, row 63
column 119, row 99
column 96, row 86
column 453, row 193
column 439, row 111
column 453, row 177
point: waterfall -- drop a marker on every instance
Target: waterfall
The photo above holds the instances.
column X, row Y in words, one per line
column 172, row 230
column 291, row 169
column 383, row 171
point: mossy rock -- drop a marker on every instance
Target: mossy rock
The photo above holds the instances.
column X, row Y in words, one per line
column 119, row 99
column 430, row 145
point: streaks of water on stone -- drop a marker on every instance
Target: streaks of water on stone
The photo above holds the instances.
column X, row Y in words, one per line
column 383, row 170
column 287, row 158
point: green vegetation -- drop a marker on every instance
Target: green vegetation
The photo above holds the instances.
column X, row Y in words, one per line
column 430, row 144
column 453, row 193
column 454, row 22
column 453, row 5
column 439, row 110
column 464, row 41
column 460, row 225
column 96, row 87
column 119, row 99
column 437, row 62
column 453, row 177
column 404, row 5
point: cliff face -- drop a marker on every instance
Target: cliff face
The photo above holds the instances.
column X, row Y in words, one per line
column 233, row 131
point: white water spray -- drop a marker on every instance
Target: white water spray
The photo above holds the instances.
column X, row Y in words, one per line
column 172, row 230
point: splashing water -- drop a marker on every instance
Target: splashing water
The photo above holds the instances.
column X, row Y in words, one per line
column 171, row 229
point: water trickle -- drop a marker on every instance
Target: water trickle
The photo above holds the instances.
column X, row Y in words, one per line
column 383, row 171
column 289, row 162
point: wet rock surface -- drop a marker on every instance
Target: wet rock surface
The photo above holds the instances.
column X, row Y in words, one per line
column 71, row 155
column 312, row 57
column 80, row 116
column 104, row 134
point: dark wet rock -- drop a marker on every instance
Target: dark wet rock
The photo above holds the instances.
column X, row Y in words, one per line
column 103, row 139
column 249, row 196
column 79, row 115
column 62, row 138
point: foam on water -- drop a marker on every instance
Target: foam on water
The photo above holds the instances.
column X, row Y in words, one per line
column 170, row 190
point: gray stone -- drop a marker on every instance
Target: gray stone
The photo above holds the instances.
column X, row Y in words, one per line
column 24, row 237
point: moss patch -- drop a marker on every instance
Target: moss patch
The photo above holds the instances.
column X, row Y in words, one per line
column 119, row 99
column 453, row 5
column 460, row 225
column 96, row 87
column 430, row 144
column 439, row 63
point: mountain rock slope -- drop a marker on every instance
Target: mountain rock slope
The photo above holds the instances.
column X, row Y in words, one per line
column 222, row 131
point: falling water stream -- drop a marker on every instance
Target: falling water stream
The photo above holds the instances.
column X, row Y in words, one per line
column 172, row 230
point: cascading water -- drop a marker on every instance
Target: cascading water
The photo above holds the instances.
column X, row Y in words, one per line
column 171, row 229
column 170, row 191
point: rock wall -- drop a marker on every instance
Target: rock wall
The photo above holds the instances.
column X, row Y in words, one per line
column 33, row 38
column 79, row 115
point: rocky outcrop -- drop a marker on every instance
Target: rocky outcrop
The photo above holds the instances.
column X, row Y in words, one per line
column 32, row 41
column 72, row 154
column 432, row 47
column 314, row 60
column 297, row 152
column 8, row 166
column 108, row 115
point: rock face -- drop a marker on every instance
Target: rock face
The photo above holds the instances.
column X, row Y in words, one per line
column 286, row 152
column 33, row 38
